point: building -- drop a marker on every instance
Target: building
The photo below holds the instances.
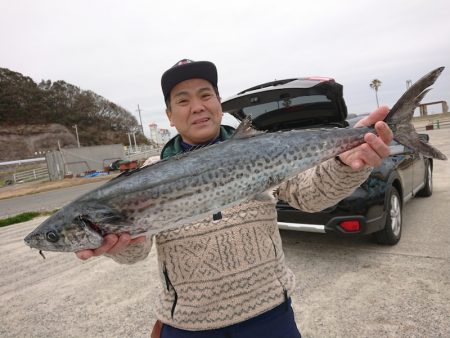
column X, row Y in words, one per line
column 159, row 136
column 165, row 135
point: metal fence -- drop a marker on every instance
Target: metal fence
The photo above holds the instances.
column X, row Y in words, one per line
column 433, row 124
column 40, row 174
column 143, row 154
column 131, row 150
column 77, row 160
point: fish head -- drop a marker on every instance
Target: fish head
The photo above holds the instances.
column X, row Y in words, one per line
column 68, row 230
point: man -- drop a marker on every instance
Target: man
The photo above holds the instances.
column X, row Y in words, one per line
column 225, row 276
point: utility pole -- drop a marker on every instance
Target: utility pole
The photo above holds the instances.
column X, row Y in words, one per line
column 129, row 139
column 76, row 132
column 140, row 119
column 134, row 137
column 130, row 148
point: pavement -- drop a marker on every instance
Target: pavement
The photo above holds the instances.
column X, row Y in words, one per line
column 44, row 201
column 346, row 287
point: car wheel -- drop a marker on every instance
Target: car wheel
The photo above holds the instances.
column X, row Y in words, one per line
column 392, row 231
column 427, row 190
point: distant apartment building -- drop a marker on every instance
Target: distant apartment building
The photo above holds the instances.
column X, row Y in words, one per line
column 159, row 136
column 153, row 132
column 165, row 135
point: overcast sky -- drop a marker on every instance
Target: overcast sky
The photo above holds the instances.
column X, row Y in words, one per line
column 119, row 49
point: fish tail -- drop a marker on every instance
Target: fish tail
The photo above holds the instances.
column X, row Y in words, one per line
column 400, row 116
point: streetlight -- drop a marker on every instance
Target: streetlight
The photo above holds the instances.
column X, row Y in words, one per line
column 76, row 132
column 134, row 137
column 129, row 139
column 132, row 132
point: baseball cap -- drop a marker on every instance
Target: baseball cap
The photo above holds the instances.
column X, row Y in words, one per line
column 187, row 69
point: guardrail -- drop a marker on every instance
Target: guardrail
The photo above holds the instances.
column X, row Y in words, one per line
column 28, row 160
column 40, row 174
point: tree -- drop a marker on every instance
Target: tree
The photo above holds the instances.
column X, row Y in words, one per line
column 375, row 84
column 99, row 121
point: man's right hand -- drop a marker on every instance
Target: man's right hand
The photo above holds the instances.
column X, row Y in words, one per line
column 112, row 244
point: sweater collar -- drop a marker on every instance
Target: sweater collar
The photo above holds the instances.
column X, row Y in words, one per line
column 174, row 146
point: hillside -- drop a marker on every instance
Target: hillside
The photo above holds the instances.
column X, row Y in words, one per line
column 33, row 117
column 33, row 140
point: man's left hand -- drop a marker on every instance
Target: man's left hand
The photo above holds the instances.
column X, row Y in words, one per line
column 376, row 147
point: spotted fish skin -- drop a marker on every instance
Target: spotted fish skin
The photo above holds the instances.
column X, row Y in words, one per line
column 189, row 187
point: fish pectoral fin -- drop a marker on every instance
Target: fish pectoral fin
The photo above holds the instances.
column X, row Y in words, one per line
column 245, row 129
column 94, row 238
column 92, row 234
column 103, row 214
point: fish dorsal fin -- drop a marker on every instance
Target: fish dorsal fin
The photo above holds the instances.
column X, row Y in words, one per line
column 245, row 129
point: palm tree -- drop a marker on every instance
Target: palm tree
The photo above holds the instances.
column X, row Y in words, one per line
column 375, row 84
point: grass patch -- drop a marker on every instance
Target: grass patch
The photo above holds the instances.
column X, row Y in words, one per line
column 23, row 217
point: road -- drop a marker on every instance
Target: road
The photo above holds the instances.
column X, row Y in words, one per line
column 48, row 200
column 345, row 287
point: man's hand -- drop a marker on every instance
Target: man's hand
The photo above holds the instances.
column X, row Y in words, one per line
column 112, row 244
column 376, row 148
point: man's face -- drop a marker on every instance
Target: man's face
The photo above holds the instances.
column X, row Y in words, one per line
column 195, row 111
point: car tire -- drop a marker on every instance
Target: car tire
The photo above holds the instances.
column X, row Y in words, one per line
column 392, row 231
column 427, row 190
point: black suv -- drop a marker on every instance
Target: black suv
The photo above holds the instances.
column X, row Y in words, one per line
column 315, row 102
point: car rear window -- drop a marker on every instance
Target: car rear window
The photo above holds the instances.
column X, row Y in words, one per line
column 288, row 102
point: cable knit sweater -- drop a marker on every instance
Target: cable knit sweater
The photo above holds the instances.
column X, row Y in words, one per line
column 216, row 273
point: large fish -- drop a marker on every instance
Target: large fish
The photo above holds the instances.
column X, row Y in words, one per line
column 191, row 186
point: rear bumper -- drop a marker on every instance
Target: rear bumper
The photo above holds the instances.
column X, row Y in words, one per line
column 334, row 225
column 302, row 227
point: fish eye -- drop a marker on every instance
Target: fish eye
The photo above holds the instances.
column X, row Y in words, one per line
column 52, row 236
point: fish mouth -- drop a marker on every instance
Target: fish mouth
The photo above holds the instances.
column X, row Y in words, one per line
column 35, row 241
column 30, row 240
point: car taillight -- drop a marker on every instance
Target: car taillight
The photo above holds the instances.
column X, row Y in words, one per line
column 350, row 226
